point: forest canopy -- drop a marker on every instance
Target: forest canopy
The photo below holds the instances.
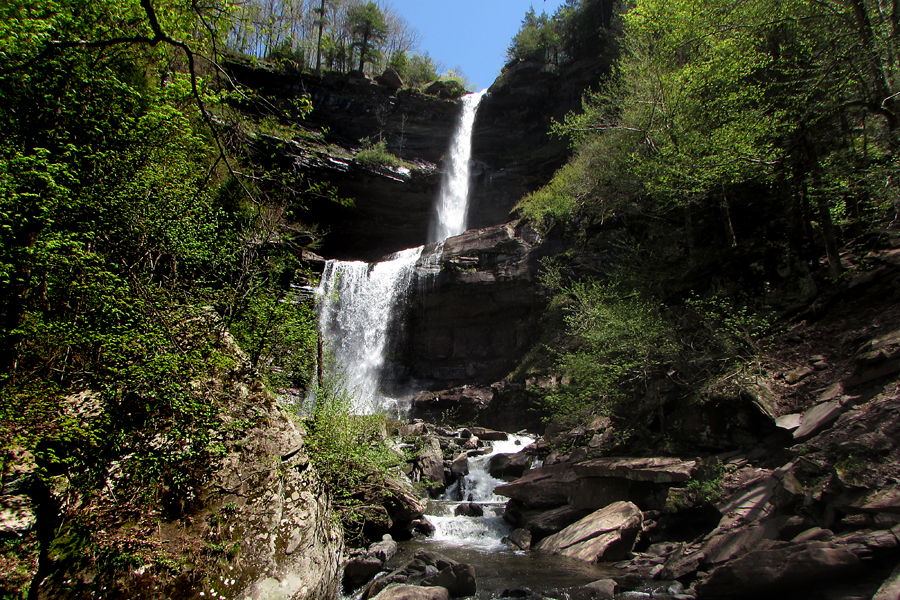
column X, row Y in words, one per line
column 712, row 98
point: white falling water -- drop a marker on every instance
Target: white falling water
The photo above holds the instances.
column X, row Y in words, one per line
column 356, row 303
column 453, row 204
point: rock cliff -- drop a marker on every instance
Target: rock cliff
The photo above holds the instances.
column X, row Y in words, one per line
column 473, row 305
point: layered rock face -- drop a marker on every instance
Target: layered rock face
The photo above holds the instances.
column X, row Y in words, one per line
column 392, row 207
column 475, row 305
column 513, row 150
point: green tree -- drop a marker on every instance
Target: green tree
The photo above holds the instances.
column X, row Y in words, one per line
column 368, row 30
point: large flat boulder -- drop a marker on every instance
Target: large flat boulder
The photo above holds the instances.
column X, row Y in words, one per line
column 604, row 535
column 542, row 487
column 509, row 465
column 654, row 469
column 413, row 592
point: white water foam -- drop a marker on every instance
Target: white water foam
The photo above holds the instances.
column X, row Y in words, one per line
column 483, row 533
column 356, row 304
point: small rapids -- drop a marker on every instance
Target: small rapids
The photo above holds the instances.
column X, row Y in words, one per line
column 479, row 541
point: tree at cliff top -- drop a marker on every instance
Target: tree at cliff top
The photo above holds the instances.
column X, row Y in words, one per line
column 368, row 29
column 321, row 33
column 712, row 99
column 576, row 30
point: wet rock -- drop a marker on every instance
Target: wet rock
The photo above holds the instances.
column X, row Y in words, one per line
column 383, row 550
column 360, row 570
column 490, row 435
column 509, row 465
column 459, row 579
column 413, row 592
column 520, row 539
column 602, row 589
column 469, row 509
column 422, row 565
column 460, row 465
column 477, row 313
column 777, row 569
column 428, row 466
column 605, row 535
column 542, row 523
column 657, row 470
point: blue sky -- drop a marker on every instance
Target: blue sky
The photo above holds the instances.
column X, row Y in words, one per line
column 471, row 34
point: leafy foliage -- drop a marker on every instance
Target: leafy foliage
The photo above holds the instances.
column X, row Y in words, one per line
column 351, row 452
column 620, row 336
column 712, row 99
column 377, row 155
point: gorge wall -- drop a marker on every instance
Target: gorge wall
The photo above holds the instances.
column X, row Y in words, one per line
column 512, row 153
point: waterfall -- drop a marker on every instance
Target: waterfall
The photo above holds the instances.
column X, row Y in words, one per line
column 356, row 305
column 357, row 300
column 453, row 203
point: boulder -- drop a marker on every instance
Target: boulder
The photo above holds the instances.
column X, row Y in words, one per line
column 413, row 592
column 460, row 465
column 459, row 579
column 602, row 589
column 360, row 570
column 490, row 435
column 605, row 535
column 383, row 550
column 509, row 465
column 469, row 509
column 816, row 419
column 890, row 589
column 543, row 487
column 655, row 469
column 777, row 569
column 428, row 466
column 520, row 539
column 390, row 79
column 437, row 88
column 553, row 521
column 591, row 493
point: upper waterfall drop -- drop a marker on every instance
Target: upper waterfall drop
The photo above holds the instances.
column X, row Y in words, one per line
column 453, row 203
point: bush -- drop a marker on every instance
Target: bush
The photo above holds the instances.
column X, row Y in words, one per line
column 376, row 155
column 351, row 453
column 620, row 336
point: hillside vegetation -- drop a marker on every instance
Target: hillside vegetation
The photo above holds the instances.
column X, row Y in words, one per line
column 736, row 148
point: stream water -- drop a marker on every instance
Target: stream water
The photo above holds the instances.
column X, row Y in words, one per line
column 478, row 541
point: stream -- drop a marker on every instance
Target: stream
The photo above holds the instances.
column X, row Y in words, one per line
column 478, row 541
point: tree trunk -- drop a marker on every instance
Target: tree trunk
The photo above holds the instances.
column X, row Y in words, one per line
column 319, row 47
